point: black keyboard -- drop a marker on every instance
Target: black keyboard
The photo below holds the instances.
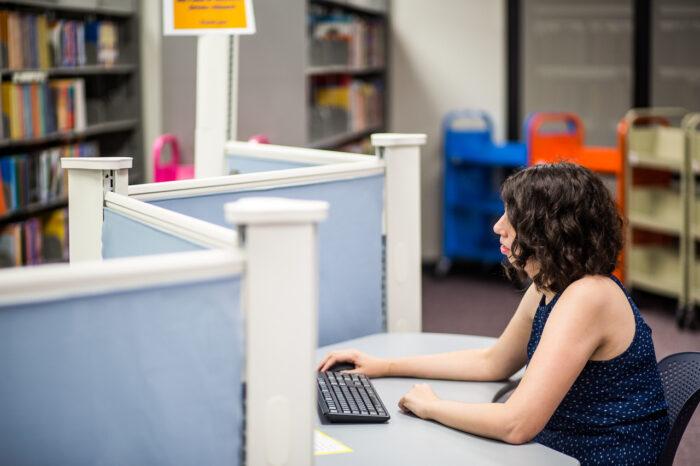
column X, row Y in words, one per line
column 349, row 398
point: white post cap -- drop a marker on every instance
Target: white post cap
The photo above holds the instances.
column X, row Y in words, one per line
column 270, row 210
column 97, row 163
column 397, row 139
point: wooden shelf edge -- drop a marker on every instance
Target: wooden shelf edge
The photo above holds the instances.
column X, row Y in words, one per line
column 97, row 10
column 74, row 70
column 66, row 136
column 32, row 210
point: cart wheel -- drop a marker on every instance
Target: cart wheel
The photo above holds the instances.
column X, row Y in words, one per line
column 442, row 268
column 680, row 315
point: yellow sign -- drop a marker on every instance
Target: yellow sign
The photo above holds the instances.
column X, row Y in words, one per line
column 190, row 17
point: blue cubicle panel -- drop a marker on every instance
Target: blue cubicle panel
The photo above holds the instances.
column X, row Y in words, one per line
column 241, row 164
column 350, row 248
column 149, row 376
column 123, row 236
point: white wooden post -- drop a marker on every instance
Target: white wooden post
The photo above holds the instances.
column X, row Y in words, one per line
column 88, row 179
column 401, row 153
column 279, row 237
column 212, row 106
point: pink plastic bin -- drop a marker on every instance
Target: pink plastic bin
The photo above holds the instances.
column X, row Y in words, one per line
column 173, row 170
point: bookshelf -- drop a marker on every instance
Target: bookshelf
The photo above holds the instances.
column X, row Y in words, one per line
column 69, row 73
column 284, row 64
column 346, row 73
column 657, row 174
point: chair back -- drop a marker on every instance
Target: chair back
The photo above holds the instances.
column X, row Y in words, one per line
column 680, row 375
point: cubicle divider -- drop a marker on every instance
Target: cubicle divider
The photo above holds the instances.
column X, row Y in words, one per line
column 246, row 157
column 143, row 359
column 102, row 369
column 370, row 245
column 135, row 228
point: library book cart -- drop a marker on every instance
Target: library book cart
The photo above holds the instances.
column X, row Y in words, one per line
column 69, row 74
column 474, row 170
column 691, row 124
column 657, row 176
column 559, row 136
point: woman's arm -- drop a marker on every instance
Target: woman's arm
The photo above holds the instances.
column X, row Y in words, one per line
column 572, row 334
column 505, row 357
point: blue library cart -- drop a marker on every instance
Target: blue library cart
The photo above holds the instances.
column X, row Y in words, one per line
column 474, row 170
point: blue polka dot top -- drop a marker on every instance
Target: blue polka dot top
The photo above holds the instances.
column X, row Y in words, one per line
column 615, row 412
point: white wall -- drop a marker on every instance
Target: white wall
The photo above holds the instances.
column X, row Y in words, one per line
column 444, row 55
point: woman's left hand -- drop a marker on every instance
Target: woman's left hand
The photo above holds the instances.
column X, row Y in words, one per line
column 419, row 400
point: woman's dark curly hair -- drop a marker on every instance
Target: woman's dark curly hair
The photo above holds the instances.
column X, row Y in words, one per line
column 565, row 220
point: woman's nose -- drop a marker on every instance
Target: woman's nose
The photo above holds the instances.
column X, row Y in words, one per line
column 498, row 226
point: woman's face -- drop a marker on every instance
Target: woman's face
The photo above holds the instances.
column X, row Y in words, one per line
column 505, row 230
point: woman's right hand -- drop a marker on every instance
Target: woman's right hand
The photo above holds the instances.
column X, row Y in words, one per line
column 364, row 363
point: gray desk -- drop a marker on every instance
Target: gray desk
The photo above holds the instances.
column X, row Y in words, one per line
column 409, row 440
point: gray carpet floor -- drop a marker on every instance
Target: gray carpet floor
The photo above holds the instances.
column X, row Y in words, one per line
column 478, row 300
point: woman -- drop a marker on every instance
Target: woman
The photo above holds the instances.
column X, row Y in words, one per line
column 592, row 388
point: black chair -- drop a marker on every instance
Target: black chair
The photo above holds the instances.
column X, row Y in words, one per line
column 680, row 374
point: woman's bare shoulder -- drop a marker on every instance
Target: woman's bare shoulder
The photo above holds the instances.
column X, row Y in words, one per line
column 594, row 286
column 591, row 294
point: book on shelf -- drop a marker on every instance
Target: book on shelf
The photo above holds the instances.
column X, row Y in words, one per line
column 350, row 40
column 13, row 37
column 8, row 170
column 5, row 110
column 42, row 42
column 349, row 104
column 70, row 103
column 3, row 40
column 3, row 204
column 10, row 245
column 55, row 236
column 32, row 41
column 36, row 178
column 39, row 108
column 37, row 240
column 101, row 42
column 107, row 43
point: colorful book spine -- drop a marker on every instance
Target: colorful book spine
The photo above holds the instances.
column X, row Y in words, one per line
column 42, row 42
column 3, row 204
column 37, row 240
column 4, row 42
column 35, row 178
column 26, row 110
column 50, row 106
column 5, row 171
column 14, row 40
column 8, row 130
column 37, row 111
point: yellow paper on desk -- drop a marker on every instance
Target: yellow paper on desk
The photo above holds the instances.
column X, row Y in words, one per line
column 324, row 445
